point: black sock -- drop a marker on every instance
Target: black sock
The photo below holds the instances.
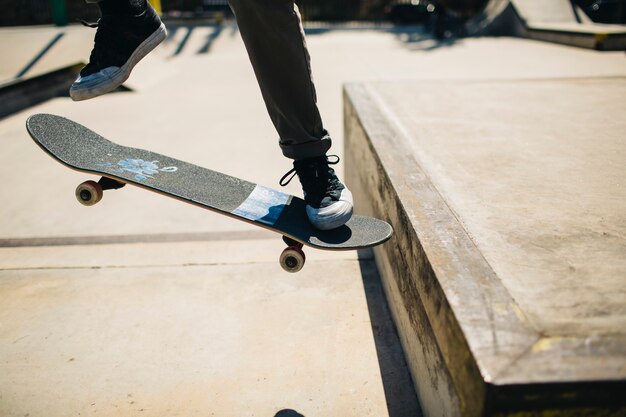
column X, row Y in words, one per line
column 132, row 7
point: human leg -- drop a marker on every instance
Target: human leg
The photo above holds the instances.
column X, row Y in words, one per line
column 274, row 38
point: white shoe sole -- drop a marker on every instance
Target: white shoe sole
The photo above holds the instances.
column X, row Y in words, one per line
column 333, row 216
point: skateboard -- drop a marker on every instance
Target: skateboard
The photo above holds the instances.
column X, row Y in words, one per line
column 81, row 149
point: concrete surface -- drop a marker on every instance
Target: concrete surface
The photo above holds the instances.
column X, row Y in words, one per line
column 541, row 11
column 142, row 305
column 110, row 331
column 507, row 267
column 536, row 176
column 599, row 37
column 195, row 98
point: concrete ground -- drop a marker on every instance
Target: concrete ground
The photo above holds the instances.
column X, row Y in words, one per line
column 195, row 316
column 145, row 306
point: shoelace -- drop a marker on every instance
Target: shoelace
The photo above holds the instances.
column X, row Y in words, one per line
column 286, row 179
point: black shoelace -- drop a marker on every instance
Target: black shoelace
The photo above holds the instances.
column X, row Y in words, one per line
column 313, row 166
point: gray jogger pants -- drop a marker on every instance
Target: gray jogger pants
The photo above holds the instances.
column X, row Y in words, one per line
column 274, row 38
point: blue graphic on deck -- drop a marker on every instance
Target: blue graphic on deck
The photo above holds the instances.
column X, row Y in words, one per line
column 142, row 169
column 263, row 205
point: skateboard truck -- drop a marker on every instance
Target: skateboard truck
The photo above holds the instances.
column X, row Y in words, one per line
column 90, row 192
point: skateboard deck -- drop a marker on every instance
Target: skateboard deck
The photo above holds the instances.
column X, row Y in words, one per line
column 83, row 150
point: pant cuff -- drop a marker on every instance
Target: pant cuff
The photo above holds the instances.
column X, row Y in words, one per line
column 305, row 150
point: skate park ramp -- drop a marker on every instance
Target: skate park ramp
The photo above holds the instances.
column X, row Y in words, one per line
column 541, row 11
column 558, row 21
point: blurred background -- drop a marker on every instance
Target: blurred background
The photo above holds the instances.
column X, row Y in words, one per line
column 426, row 12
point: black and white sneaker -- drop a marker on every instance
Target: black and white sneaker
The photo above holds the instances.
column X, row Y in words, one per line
column 121, row 42
column 328, row 201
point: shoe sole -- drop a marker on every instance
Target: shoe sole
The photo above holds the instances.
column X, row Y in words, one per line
column 335, row 216
column 107, row 84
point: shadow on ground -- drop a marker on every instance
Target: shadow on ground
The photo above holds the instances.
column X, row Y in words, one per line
column 288, row 413
column 184, row 31
column 414, row 37
column 397, row 382
column 417, row 38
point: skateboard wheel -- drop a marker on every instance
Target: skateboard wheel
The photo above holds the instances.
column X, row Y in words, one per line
column 89, row 193
column 292, row 259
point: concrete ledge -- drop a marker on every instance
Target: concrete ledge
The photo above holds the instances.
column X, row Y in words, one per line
column 471, row 348
column 590, row 36
column 22, row 93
